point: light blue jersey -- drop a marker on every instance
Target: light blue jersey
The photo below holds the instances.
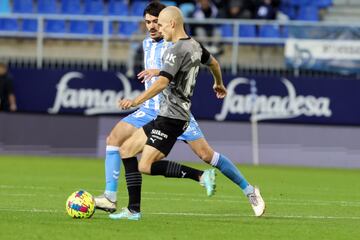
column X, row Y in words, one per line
column 153, row 52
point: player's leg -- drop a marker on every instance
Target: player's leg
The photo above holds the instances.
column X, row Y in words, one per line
column 122, row 131
column 202, row 148
column 162, row 135
column 198, row 144
column 129, row 149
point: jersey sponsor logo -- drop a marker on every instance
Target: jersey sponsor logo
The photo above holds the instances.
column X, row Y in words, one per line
column 153, row 140
column 158, row 134
column 170, row 59
column 263, row 107
column 94, row 101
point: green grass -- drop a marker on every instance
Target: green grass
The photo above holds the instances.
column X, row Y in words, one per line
column 302, row 203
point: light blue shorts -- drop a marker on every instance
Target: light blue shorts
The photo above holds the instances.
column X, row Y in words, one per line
column 142, row 116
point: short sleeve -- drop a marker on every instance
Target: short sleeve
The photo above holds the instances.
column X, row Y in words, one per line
column 172, row 60
column 205, row 56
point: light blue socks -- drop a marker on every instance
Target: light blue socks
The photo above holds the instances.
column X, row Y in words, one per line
column 225, row 165
column 112, row 171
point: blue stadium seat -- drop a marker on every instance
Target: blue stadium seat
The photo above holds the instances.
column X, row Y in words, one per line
column 47, row 6
column 4, row 6
column 29, row 25
column 94, row 7
column 284, row 31
column 71, row 7
column 324, row 3
column 226, row 30
column 137, row 8
column 244, row 30
column 55, row 26
column 118, row 8
column 187, row 9
column 247, row 31
column 308, row 13
column 169, row 3
column 79, row 27
column 301, row 2
column 23, row 6
column 269, row 31
column 98, row 28
column 8, row 24
column 127, row 28
column 289, row 10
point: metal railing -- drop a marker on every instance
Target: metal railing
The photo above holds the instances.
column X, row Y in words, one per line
column 235, row 40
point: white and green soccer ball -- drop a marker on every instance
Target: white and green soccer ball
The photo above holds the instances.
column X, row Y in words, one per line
column 80, row 204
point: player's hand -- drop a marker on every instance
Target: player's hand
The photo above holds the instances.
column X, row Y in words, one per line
column 147, row 74
column 220, row 90
column 126, row 104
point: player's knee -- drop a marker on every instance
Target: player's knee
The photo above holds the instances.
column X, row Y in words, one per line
column 205, row 155
column 126, row 151
column 144, row 168
column 112, row 140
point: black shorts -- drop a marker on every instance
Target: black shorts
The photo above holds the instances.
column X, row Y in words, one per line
column 163, row 132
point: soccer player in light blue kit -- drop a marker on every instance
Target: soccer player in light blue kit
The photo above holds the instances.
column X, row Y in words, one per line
column 154, row 46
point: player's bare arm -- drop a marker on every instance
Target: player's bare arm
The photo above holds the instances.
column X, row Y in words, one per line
column 147, row 74
column 152, row 91
column 218, row 87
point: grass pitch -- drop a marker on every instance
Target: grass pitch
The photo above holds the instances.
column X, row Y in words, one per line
column 302, row 203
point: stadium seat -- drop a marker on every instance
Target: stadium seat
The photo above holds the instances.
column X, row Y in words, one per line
column 284, row 31
column 79, row 27
column 247, row 31
column 23, row 6
column 47, row 6
column 289, row 10
column 299, row 3
column 187, row 9
column 127, row 28
column 324, row 3
column 269, row 31
column 8, row 24
column 308, row 13
column 118, row 8
column 137, row 8
column 244, row 30
column 169, row 3
column 94, row 7
column 29, row 25
column 4, row 6
column 226, row 30
column 55, row 26
column 98, row 28
column 71, row 7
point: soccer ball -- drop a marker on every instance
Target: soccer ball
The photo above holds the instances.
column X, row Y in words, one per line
column 80, row 204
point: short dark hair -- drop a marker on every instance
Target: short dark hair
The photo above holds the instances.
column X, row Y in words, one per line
column 154, row 8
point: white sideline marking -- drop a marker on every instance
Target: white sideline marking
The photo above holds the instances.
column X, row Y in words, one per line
column 196, row 214
column 217, row 198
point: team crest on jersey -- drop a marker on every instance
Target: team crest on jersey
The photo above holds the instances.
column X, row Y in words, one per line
column 170, row 59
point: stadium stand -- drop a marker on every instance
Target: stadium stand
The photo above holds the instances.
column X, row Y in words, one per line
column 90, row 27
